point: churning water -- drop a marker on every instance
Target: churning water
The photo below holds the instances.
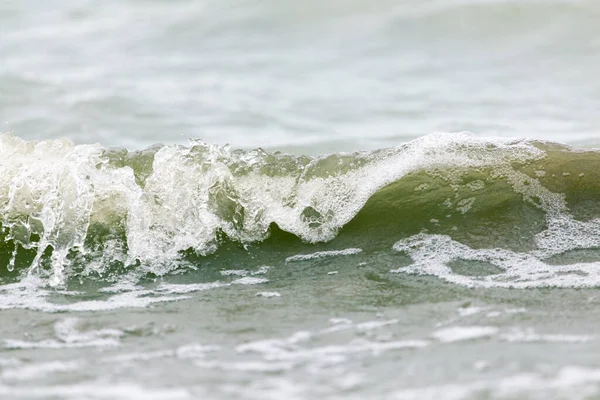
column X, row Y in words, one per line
column 316, row 221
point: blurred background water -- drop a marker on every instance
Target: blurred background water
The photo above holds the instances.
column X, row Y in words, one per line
column 307, row 77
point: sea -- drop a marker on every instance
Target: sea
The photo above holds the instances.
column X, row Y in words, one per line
column 318, row 199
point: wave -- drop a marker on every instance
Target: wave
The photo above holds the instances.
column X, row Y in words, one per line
column 80, row 210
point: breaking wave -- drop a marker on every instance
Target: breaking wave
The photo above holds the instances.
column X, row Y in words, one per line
column 520, row 207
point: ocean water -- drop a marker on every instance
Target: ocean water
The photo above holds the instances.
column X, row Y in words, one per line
column 297, row 200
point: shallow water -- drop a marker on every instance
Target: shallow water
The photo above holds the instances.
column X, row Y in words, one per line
column 377, row 259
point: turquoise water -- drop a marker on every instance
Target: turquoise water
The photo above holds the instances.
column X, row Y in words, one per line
column 316, row 221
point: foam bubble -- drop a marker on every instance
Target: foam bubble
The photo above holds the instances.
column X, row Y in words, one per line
column 323, row 254
column 462, row 333
column 432, row 255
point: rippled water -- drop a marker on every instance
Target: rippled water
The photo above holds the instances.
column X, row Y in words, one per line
column 407, row 264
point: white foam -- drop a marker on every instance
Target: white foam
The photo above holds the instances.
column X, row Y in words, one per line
column 9, row 362
column 195, row 350
column 468, row 311
column 372, row 325
column 25, row 372
column 529, row 335
column 268, row 294
column 234, row 272
column 31, row 293
column 432, row 255
column 136, row 357
column 98, row 390
column 249, row 280
column 285, row 350
column 298, row 348
column 185, row 352
column 171, row 288
column 262, row 270
column 337, row 321
column 323, row 254
column 67, row 336
column 248, row 366
column 462, row 333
